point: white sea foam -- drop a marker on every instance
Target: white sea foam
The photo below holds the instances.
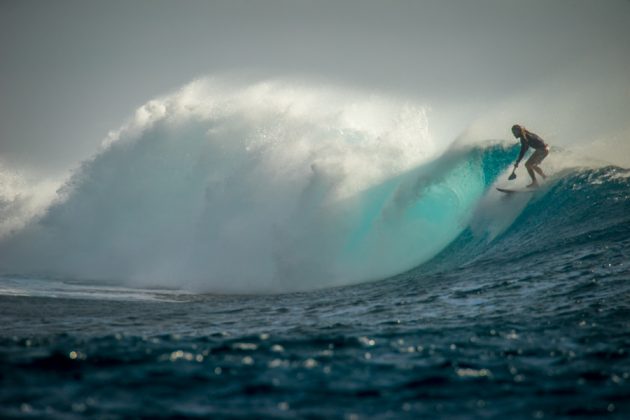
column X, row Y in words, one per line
column 224, row 188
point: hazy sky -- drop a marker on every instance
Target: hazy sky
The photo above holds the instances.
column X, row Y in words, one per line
column 70, row 71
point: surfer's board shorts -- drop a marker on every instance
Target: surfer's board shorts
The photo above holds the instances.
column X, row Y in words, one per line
column 537, row 156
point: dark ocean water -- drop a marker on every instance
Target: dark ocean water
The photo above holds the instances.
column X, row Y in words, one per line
column 533, row 322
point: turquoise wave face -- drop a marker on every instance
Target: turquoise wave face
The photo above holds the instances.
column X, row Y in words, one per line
column 407, row 220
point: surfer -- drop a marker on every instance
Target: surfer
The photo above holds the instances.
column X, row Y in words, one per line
column 541, row 150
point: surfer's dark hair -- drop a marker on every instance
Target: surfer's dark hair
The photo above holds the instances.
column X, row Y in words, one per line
column 517, row 129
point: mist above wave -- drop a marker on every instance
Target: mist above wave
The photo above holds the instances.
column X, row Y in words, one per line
column 228, row 188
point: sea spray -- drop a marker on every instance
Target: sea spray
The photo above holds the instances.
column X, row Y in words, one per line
column 223, row 188
column 258, row 189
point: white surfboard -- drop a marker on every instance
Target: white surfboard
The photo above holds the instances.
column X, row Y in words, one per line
column 511, row 191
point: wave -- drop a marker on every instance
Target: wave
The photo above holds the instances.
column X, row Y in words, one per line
column 264, row 189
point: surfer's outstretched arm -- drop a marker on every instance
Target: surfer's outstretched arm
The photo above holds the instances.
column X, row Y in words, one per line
column 524, row 147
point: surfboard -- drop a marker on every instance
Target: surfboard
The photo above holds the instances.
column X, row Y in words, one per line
column 524, row 190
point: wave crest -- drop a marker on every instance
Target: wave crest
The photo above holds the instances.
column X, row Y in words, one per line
column 225, row 189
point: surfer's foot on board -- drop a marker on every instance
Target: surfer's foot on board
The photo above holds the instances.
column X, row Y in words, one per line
column 533, row 185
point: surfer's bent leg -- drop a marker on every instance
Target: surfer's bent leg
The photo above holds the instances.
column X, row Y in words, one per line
column 529, row 165
column 533, row 162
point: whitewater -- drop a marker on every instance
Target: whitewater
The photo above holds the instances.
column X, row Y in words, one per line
column 269, row 187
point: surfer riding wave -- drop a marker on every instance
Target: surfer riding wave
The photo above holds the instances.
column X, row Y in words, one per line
column 541, row 150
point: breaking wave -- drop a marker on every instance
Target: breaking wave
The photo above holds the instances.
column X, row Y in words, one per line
column 263, row 189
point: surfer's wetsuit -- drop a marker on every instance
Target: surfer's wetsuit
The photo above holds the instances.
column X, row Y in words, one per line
column 529, row 139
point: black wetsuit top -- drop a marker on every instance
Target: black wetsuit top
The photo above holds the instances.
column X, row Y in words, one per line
column 529, row 139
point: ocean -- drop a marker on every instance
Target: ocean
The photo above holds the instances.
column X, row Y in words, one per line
column 295, row 272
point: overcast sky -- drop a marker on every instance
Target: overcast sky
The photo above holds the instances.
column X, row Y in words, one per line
column 70, row 71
